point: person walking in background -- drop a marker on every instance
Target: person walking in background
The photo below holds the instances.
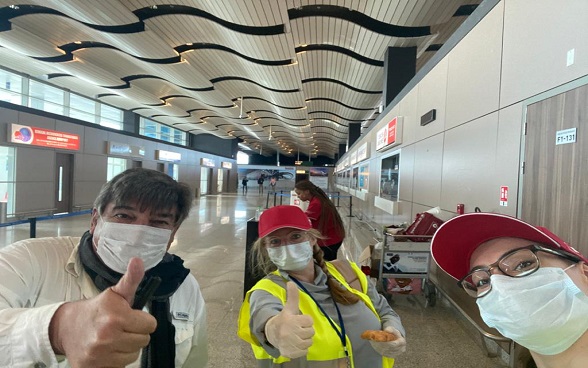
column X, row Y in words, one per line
column 324, row 217
column 528, row 283
column 244, row 184
column 273, row 182
column 260, row 183
column 311, row 313
column 84, row 302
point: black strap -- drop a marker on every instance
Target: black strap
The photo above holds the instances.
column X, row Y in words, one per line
column 164, row 355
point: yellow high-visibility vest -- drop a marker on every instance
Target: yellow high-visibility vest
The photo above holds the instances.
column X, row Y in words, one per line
column 322, row 348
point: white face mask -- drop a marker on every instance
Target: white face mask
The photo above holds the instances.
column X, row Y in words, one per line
column 291, row 257
column 118, row 243
column 544, row 312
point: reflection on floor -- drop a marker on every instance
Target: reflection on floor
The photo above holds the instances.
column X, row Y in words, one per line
column 212, row 243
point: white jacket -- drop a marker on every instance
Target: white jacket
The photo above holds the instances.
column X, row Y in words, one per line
column 38, row 275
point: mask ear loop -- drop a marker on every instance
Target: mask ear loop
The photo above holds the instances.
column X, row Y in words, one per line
column 570, row 266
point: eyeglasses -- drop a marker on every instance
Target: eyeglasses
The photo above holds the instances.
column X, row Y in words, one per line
column 291, row 238
column 519, row 262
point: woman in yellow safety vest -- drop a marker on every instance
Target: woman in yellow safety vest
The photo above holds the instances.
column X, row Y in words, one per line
column 308, row 312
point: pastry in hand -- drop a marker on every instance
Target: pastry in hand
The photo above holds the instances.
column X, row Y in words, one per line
column 378, row 335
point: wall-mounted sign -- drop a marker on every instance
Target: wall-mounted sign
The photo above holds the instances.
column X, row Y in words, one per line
column 504, row 196
column 207, row 162
column 44, row 137
column 167, row 155
column 389, row 135
column 565, row 136
column 226, row 165
column 123, row 149
column 353, row 157
column 362, row 152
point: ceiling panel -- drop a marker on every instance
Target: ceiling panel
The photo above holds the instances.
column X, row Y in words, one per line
column 302, row 70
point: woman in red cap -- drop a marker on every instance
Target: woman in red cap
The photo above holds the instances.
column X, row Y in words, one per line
column 308, row 312
column 324, row 217
column 528, row 283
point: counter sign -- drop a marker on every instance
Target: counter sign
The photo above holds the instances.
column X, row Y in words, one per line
column 565, row 136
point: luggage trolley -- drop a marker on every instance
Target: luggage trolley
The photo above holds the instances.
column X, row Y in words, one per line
column 405, row 264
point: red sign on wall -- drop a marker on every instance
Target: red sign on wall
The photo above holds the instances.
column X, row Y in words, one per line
column 504, row 196
column 387, row 135
column 392, row 131
column 44, row 137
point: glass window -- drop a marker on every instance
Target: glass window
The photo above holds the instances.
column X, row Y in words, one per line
column 165, row 133
column 219, row 183
column 10, row 87
column 111, row 117
column 7, row 177
column 389, row 177
column 204, row 180
column 115, row 166
column 45, row 97
column 242, row 158
column 82, row 108
column 153, row 129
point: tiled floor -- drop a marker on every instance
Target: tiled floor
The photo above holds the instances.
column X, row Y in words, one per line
column 212, row 242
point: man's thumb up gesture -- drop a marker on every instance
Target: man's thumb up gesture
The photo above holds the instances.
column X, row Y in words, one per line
column 290, row 331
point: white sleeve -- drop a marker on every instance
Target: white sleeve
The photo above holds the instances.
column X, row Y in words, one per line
column 25, row 311
column 24, row 336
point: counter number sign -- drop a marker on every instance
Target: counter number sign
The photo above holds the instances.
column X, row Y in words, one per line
column 565, row 136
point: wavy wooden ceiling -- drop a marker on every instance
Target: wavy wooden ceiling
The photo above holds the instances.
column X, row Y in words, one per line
column 285, row 75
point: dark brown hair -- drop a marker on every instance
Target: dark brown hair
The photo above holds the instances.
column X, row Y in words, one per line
column 329, row 214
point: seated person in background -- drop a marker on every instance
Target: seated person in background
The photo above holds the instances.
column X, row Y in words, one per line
column 528, row 283
column 68, row 301
column 308, row 312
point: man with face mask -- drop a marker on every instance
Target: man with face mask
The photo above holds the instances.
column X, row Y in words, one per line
column 528, row 283
column 308, row 312
column 114, row 297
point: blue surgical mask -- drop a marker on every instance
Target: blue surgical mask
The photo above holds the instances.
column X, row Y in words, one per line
column 545, row 312
column 291, row 257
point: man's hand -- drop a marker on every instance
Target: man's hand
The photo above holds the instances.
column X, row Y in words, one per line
column 104, row 331
column 289, row 331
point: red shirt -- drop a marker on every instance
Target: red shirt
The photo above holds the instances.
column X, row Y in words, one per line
column 313, row 212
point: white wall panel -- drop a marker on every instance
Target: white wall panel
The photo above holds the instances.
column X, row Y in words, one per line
column 473, row 74
column 408, row 111
column 428, row 161
column 537, row 37
column 470, row 164
column 510, row 125
column 432, row 95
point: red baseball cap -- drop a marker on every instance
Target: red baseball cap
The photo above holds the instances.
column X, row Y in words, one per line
column 456, row 239
column 279, row 217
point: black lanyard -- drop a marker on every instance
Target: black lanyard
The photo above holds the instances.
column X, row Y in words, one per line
column 340, row 333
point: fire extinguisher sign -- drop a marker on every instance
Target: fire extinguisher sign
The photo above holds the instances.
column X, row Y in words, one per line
column 504, row 196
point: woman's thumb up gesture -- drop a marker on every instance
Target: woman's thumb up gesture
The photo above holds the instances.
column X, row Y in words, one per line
column 290, row 331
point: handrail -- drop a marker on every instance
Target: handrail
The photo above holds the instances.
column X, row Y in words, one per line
column 22, row 215
column 489, row 335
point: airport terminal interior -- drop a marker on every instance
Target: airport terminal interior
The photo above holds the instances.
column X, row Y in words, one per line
column 400, row 106
column 212, row 242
